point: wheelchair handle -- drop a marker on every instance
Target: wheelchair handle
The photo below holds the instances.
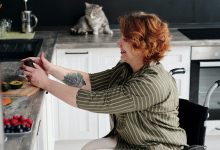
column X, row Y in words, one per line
column 177, row 71
column 218, row 82
column 210, row 91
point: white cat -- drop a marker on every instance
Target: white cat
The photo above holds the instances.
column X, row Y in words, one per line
column 94, row 21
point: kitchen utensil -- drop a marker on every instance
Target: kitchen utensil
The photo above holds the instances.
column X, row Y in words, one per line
column 26, row 18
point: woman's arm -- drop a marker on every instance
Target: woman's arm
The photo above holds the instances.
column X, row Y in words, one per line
column 38, row 77
column 64, row 92
column 94, row 81
column 71, row 77
column 137, row 94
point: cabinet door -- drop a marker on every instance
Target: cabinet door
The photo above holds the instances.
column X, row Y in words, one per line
column 74, row 123
column 213, row 127
column 212, row 134
column 102, row 59
column 40, row 139
column 179, row 57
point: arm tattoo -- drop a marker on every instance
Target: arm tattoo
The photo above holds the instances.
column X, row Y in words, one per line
column 74, row 79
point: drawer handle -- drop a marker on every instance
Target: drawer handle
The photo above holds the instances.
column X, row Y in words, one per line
column 38, row 127
column 217, row 128
column 70, row 53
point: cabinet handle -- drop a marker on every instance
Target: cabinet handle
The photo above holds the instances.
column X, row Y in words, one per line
column 217, row 128
column 177, row 71
column 70, row 53
column 38, row 127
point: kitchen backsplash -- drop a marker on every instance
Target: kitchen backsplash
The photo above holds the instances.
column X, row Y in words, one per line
column 66, row 13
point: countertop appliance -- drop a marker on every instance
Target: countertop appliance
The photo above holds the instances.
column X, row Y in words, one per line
column 205, row 70
column 201, row 33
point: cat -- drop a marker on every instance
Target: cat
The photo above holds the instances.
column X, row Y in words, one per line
column 94, row 21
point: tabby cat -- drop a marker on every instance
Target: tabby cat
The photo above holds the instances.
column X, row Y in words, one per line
column 94, row 21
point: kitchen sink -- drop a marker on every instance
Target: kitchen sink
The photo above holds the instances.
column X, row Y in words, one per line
column 201, row 33
column 17, row 49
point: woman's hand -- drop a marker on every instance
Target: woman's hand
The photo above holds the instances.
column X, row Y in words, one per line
column 41, row 61
column 36, row 76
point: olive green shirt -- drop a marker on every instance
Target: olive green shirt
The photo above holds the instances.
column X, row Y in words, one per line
column 144, row 103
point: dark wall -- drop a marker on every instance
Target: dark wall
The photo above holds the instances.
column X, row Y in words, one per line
column 67, row 12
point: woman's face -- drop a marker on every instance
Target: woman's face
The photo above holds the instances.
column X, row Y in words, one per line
column 129, row 55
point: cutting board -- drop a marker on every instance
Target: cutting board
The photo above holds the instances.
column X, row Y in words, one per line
column 26, row 90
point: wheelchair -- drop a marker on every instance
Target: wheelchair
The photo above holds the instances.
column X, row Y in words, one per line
column 193, row 117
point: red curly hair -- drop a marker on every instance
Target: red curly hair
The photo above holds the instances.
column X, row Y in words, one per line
column 146, row 32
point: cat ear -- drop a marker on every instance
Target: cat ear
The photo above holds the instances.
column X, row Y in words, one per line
column 100, row 7
column 87, row 4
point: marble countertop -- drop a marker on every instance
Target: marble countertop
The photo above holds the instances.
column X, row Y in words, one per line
column 63, row 39
column 31, row 105
column 28, row 107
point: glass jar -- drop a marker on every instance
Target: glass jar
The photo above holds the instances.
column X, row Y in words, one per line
column 5, row 26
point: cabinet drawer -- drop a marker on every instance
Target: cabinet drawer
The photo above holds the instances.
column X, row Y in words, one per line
column 178, row 57
column 213, row 127
column 77, row 59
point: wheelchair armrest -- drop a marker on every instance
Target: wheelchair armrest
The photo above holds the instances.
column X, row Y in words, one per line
column 177, row 71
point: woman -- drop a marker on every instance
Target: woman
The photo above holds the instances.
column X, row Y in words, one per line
column 138, row 93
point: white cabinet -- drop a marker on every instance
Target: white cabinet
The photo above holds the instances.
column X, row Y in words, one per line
column 41, row 132
column 102, row 59
column 212, row 134
column 179, row 57
column 213, row 127
column 39, row 143
column 69, row 123
column 74, row 123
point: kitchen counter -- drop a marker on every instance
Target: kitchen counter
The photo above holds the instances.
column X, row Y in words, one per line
column 62, row 39
column 65, row 40
column 32, row 108
column 33, row 104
